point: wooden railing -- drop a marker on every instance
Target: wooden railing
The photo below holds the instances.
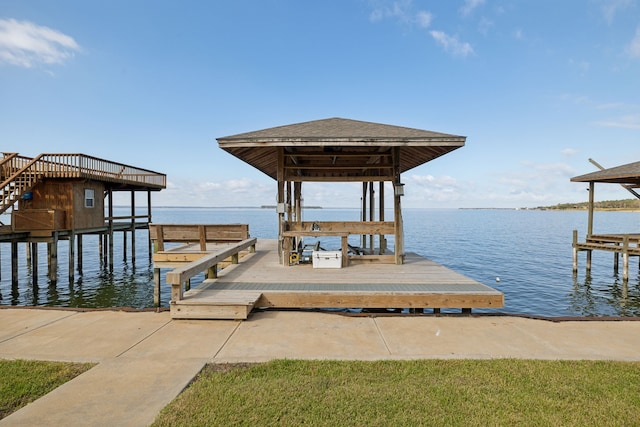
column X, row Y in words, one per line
column 176, row 278
column 340, row 229
column 196, row 233
column 19, row 174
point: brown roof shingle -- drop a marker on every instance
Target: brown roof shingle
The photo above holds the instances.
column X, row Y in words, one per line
column 342, row 138
column 625, row 174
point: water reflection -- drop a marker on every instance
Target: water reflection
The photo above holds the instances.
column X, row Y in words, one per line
column 590, row 297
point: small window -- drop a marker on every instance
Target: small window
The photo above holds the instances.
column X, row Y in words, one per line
column 89, row 198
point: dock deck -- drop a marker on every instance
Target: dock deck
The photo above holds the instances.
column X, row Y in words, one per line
column 258, row 280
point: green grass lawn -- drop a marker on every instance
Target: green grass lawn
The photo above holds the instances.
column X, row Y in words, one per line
column 23, row 381
column 406, row 393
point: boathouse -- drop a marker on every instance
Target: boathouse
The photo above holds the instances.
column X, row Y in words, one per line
column 625, row 244
column 340, row 150
column 373, row 274
column 65, row 196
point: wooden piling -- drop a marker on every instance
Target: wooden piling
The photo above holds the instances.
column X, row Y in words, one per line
column 625, row 257
column 34, row 262
column 14, row 263
column 72, row 257
column 156, row 287
column 80, row 260
column 575, row 250
column 53, row 258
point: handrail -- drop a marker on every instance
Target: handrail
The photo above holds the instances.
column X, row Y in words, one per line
column 52, row 165
column 181, row 275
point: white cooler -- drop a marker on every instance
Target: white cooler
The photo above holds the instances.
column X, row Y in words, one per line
column 327, row 259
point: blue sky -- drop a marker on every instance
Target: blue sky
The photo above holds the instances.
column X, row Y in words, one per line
column 537, row 86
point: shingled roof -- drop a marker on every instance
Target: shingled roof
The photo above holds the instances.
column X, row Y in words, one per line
column 628, row 174
column 346, row 143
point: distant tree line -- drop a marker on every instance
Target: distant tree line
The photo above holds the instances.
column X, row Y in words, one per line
column 626, row 204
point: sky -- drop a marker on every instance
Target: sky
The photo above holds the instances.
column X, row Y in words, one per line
column 537, row 86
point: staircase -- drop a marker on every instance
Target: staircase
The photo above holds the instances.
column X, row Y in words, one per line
column 19, row 174
column 18, row 177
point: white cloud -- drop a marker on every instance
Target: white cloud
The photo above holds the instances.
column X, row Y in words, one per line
column 400, row 10
column 451, row 44
column 518, row 34
column 629, row 121
column 424, row 18
column 569, row 152
column 469, row 6
column 634, row 47
column 26, row 44
column 611, row 7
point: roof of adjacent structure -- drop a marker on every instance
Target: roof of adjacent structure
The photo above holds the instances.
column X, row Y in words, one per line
column 334, row 148
column 628, row 174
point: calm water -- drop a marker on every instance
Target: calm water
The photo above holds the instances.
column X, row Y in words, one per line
column 530, row 251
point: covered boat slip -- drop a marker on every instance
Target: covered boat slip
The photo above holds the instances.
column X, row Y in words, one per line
column 375, row 274
column 340, row 150
column 625, row 244
column 258, row 280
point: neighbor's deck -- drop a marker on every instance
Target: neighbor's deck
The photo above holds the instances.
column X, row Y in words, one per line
column 258, row 280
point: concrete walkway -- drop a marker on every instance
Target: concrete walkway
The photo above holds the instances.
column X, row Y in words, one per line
column 145, row 359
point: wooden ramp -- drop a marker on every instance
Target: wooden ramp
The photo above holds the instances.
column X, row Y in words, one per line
column 258, row 280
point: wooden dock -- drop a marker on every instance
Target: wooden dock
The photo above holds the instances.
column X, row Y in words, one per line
column 259, row 280
column 627, row 245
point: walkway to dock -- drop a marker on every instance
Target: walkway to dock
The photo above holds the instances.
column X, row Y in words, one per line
column 145, row 359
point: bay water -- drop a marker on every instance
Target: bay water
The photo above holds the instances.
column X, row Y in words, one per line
column 526, row 254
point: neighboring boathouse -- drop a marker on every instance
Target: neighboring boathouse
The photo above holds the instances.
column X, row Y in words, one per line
column 55, row 197
column 369, row 270
column 625, row 244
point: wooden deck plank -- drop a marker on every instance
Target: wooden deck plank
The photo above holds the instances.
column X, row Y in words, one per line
column 418, row 283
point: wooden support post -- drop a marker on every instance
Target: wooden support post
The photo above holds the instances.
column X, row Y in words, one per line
column 372, row 212
column 156, row 287
column 589, row 256
column 591, row 206
column 397, row 210
column 80, row 259
column 212, row 272
column 345, row 250
column 176, row 293
column 28, row 252
column 34, row 262
column 101, row 247
column 133, row 226
column 187, row 285
column 203, row 238
column 575, row 250
column 124, row 245
column 14, row 263
column 0, row 262
column 53, row 258
column 383, row 239
column 72, row 257
column 149, row 222
column 625, row 257
column 363, row 238
column 235, row 258
column 616, row 262
column 110, row 230
column 283, row 250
